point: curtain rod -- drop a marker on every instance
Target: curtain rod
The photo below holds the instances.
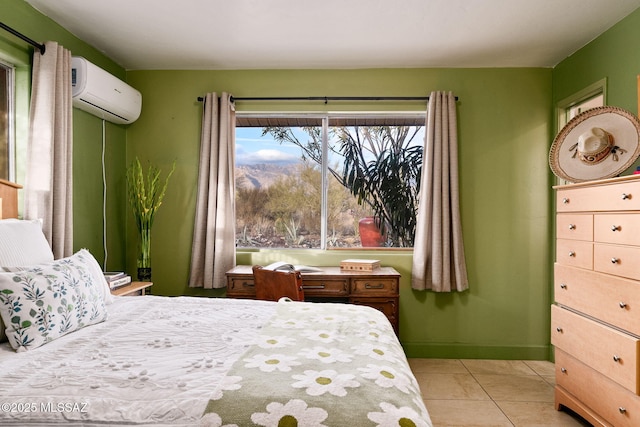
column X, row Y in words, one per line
column 34, row 43
column 326, row 99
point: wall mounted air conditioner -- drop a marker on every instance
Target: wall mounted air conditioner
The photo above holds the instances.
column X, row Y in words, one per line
column 102, row 94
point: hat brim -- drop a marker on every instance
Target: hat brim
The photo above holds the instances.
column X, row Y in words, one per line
column 622, row 124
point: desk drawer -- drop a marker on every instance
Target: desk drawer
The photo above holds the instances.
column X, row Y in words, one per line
column 617, row 405
column 325, row 287
column 574, row 226
column 617, row 260
column 241, row 286
column 623, row 229
column 575, row 253
column 614, row 300
column 607, row 350
column 374, row 286
column 388, row 306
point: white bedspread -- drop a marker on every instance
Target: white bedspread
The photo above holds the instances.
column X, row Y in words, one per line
column 111, row 372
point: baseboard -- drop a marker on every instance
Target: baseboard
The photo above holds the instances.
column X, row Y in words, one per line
column 469, row 351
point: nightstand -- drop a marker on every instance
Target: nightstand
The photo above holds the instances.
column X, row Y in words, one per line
column 133, row 288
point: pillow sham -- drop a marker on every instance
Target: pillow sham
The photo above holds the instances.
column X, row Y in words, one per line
column 22, row 242
column 41, row 303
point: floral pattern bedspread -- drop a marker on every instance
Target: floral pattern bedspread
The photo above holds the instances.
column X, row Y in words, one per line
column 154, row 362
column 320, row 365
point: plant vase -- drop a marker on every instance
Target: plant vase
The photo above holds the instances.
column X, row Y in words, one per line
column 370, row 235
column 144, row 259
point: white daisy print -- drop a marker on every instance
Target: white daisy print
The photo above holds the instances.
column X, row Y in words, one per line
column 392, row 416
column 324, row 336
column 329, row 381
column 271, row 362
column 213, row 420
column 291, row 323
column 329, row 318
column 387, row 377
column 294, row 413
column 326, row 355
column 227, row 383
column 375, row 351
column 275, row 341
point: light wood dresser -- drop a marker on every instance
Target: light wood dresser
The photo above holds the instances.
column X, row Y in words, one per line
column 595, row 321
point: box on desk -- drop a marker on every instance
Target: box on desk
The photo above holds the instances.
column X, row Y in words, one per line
column 359, row 264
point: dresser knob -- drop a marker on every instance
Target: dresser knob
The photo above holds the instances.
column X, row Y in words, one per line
column 563, row 286
column 559, row 329
column 622, row 410
column 563, row 370
column 622, row 304
column 615, row 228
column 572, row 226
column 626, row 196
column 615, row 260
column 565, row 200
column 572, row 254
column 616, row 358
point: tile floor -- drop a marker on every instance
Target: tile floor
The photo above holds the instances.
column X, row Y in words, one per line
column 495, row 393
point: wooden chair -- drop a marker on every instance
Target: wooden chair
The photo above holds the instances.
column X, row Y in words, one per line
column 273, row 285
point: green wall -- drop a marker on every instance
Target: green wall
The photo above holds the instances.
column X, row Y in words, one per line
column 87, row 129
column 504, row 131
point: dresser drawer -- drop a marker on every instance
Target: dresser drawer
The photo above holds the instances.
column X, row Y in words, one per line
column 574, row 226
column 607, row 350
column 623, row 229
column 325, row 287
column 614, row 300
column 615, row 259
column 575, row 253
column 374, row 286
column 241, row 286
column 621, row 196
column 617, row 405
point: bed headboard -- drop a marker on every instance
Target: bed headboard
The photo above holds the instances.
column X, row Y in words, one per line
column 9, row 199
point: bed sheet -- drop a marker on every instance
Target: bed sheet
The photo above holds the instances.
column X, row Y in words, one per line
column 147, row 364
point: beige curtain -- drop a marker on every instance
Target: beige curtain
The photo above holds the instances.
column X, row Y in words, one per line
column 49, row 180
column 213, row 250
column 438, row 252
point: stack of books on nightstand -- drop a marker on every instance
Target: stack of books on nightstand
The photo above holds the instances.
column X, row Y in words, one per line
column 117, row 279
column 359, row 264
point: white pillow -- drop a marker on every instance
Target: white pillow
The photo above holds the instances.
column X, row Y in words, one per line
column 22, row 242
column 41, row 303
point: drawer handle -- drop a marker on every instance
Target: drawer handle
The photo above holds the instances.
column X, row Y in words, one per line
column 622, row 304
column 572, row 254
column 563, row 286
column 378, row 286
column 622, row 410
column 248, row 284
column 572, row 226
column 616, row 358
column 626, row 196
column 563, row 370
column 322, row 286
column 565, row 200
column 615, row 228
column 615, row 260
column 559, row 329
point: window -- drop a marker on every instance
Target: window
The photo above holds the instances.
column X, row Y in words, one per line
column 7, row 108
column 307, row 181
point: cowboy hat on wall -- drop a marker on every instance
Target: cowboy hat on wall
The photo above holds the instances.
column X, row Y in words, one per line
column 599, row 143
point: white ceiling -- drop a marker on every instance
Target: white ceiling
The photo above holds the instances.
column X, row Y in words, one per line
column 262, row 34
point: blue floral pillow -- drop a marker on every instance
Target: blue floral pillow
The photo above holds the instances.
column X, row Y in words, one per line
column 41, row 303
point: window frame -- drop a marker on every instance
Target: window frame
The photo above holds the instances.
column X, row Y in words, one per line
column 11, row 117
column 325, row 119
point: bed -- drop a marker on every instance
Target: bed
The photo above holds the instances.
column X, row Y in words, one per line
column 77, row 355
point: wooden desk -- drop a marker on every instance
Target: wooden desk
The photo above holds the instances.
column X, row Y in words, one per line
column 377, row 289
column 133, row 288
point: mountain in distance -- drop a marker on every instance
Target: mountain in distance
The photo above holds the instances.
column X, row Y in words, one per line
column 261, row 175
